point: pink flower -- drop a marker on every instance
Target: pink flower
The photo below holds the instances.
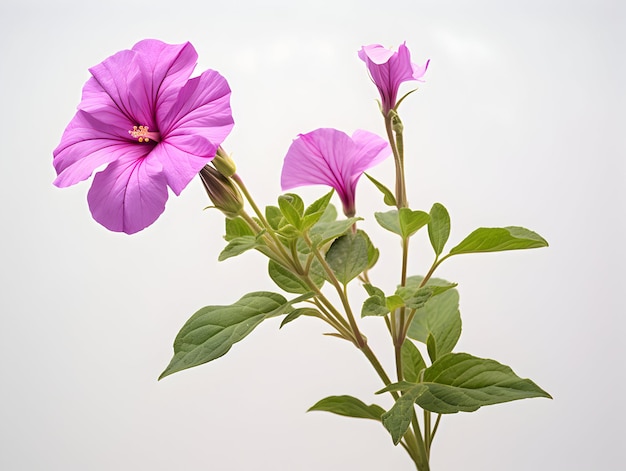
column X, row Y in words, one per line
column 330, row 157
column 150, row 125
column 389, row 69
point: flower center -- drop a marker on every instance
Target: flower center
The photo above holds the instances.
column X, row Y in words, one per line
column 142, row 134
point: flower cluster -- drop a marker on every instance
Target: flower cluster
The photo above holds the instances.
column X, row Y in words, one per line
column 153, row 127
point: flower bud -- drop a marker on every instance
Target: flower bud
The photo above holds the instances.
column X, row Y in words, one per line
column 222, row 192
column 223, row 163
column 396, row 123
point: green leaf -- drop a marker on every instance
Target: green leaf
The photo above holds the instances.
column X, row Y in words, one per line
column 411, row 221
column 416, row 298
column 373, row 290
column 439, row 317
column 394, row 302
column 348, row 406
column 304, row 311
column 431, row 347
column 273, row 216
column 459, row 382
column 315, row 211
column 438, row 227
column 292, row 208
column 213, row 330
column 389, row 221
column 237, row 227
column 389, row 198
column 287, row 280
column 393, row 387
column 287, row 232
column 496, row 239
column 412, row 361
column 398, row 418
column 347, row 257
column 325, row 231
column 372, row 252
column 404, row 222
column 329, row 215
column 374, row 306
column 403, row 97
column 239, row 245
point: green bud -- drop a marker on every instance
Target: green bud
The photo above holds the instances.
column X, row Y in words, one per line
column 224, row 164
column 396, row 123
column 222, row 192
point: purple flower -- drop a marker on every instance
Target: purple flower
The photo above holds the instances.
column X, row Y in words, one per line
column 389, row 69
column 150, row 125
column 330, row 157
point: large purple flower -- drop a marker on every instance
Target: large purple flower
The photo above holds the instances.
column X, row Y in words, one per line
column 390, row 69
column 330, row 157
column 152, row 127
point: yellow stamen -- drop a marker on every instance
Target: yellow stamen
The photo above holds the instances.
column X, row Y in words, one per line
column 142, row 134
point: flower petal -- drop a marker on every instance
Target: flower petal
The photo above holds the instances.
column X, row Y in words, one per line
column 329, row 157
column 144, row 82
column 88, row 144
column 420, row 70
column 97, row 102
column 389, row 70
column 119, row 79
column 181, row 158
column 376, row 53
column 320, row 157
column 400, row 66
column 371, row 149
column 128, row 195
column 165, row 70
column 203, row 108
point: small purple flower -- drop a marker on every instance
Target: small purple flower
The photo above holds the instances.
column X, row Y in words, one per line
column 150, row 125
column 330, row 157
column 389, row 69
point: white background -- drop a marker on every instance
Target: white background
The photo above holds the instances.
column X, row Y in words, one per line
column 520, row 122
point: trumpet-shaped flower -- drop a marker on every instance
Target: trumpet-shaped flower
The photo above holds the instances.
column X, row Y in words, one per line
column 330, row 157
column 152, row 126
column 389, row 69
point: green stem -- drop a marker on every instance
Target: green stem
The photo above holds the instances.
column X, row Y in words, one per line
column 332, row 311
column 432, row 435
column 423, row 453
column 360, row 340
column 369, row 354
column 277, row 255
column 402, row 327
column 411, row 444
column 399, row 162
column 398, row 357
column 427, row 432
column 434, row 266
column 412, row 453
column 237, row 179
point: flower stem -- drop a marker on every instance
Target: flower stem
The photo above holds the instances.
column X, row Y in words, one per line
column 427, row 431
column 422, row 463
column 237, row 179
column 432, row 435
column 398, row 158
column 360, row 340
